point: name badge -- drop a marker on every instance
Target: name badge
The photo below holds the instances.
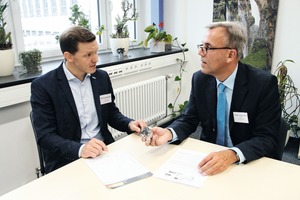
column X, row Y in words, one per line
column 240, row 117
column 105, row 98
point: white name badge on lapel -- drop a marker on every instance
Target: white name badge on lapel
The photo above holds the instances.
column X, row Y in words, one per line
column 105, row 98
column 240, row 117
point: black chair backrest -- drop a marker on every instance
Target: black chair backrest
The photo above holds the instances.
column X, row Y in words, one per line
column 40, row 152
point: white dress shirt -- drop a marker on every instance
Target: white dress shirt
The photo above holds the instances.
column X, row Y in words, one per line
column 85, row 104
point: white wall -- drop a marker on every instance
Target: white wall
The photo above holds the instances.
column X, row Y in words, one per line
column 287, row 40
column 187, row 20
column 18, row 150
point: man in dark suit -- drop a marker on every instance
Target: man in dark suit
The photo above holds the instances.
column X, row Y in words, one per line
column 252, row 114
column 73, row 104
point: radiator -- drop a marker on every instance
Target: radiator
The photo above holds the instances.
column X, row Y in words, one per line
column 144, row 100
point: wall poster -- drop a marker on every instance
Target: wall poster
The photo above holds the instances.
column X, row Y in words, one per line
column 259, row 18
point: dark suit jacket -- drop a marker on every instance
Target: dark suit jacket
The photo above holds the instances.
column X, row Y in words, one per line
column 56, row 118
column 255, row 92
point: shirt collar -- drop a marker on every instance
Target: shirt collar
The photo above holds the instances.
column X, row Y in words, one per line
column 69, row 75
column 229, row 82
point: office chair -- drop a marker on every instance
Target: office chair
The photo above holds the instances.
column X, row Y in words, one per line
column 41, row 170
column 282, row 138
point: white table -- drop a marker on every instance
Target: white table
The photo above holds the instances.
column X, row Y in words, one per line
column 262, row 179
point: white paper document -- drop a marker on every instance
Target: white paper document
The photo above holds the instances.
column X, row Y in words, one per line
column 117, row 169
column 182, row 167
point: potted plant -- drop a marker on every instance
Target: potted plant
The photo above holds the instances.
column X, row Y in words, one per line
column 158, row 38
column 30, row 61
column 6, row 51
column 289, row 97
column 79, row 17
column 120, row 39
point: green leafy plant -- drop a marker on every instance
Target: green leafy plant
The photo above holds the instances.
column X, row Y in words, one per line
column 100, row 30
column 157, row 34
column 182, row 63
column 121, row 27
column 289, row 96
column 79, row 17
column 5, row 38
column 30, row 61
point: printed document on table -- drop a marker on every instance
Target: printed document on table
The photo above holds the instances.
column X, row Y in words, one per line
column 117, row 169
column 182, row 167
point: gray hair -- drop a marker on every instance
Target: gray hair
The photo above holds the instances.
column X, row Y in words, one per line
column 236, row 34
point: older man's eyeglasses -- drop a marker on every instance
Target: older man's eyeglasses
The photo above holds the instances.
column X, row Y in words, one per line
column 205, row 49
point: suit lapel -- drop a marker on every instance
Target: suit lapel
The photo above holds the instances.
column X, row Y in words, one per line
column 239, row 92
column 211, row 98
column 63, row 83
column 96, row 92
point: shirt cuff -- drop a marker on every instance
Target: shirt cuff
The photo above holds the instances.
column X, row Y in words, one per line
column 174, row 135
column 240, row 154
column 80, row 150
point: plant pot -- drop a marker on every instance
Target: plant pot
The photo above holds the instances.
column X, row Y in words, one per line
column 116, row 43
column 157, row 47
column 168, row 47
column 7, row 64
column 33, row 69
column 30, row 61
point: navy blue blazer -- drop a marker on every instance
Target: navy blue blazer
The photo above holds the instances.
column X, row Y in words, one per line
column 255, row 92
column 56, row 118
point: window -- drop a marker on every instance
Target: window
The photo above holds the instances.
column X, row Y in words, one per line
column 38, row 22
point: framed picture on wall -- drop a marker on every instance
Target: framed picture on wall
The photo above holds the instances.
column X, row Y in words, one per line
column 259, row 19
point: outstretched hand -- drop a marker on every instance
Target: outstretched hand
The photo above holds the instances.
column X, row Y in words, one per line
column 137, row 126
column 160, row 136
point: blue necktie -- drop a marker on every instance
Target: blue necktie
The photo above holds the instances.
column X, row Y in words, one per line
column 221, row 115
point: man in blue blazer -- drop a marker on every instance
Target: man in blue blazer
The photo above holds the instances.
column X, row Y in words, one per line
column 73, row 104
column 252, row 114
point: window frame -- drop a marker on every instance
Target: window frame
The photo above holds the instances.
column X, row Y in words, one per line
column 14, row 25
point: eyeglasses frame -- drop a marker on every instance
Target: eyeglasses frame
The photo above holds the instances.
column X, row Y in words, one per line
column 201, row 46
